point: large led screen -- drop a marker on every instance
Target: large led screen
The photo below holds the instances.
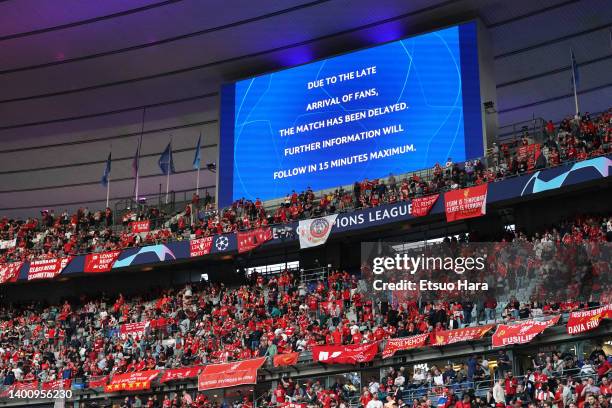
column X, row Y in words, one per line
column 393, row 108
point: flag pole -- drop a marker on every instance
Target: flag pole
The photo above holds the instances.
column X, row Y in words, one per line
column 169, row 170
column 167, row 182
column 144, row 111
column 107, row 191
column 574, row 80
column 198, row 182
column 199, row 165
column 108, row 180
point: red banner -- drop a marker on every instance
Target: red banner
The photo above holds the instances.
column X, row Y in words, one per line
column 404, row 343
column 229, row 374
column 180, row 373
column 200, row 246
column 19, row 386
column 249, row 240
column 10, row 272
column 580, row 322
column 133, row 329
column 520, row 333
column 466, row 203
column 421, row 206
column 446, row 337
column 140, row 380
column 101, row 262
column 140, row 226
column 57, row 385
column 287, row 359
column 530, row 154
column 47, row 268
column 98, row 382
column 351, row 354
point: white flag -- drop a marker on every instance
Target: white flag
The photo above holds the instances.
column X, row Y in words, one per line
column 314, row 232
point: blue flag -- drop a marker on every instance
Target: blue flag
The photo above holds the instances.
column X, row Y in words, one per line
column 166, row 164
column 196, row 158
column 107, row 171
column 575, row 70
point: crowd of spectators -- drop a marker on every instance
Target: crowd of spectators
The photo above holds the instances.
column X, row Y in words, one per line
column 85, row 231
column 551, row 379
column 209, row 323
column 184, row 399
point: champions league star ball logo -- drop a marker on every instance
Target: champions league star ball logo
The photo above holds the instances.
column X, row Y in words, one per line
column 535, row 184
column 222, row 243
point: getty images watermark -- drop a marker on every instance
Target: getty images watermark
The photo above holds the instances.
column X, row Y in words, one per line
column 404, row 263
column 456, row 271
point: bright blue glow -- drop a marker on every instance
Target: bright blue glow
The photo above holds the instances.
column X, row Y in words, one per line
column 434, row 75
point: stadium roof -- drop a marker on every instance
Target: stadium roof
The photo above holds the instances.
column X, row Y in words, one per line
column 69, row 58
column 82, row 71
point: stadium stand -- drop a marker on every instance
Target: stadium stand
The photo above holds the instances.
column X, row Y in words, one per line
column 88, row 231
column 210, row 323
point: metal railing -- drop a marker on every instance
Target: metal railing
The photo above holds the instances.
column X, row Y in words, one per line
column 314, row 275
column 535, row 128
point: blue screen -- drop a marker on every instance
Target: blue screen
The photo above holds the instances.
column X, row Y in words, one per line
column 394, row 108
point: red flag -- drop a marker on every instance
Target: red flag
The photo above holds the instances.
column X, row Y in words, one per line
column 351, row 354
column 140, row 226
column 229, row 374
column 421, row 206
column 520, row 333
column 580, row 322
column 98, row 382
column 200, row 246
column 249, row 240
column 287, row 359
column 57, row 385
column 404, row 343
column 180, row 373
column 19, row 386
column 101, row 262
column 445, row 337
column 139, row 380
column 47, row 268
column 466, row 203
column 530, row 154
column 10, row 272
